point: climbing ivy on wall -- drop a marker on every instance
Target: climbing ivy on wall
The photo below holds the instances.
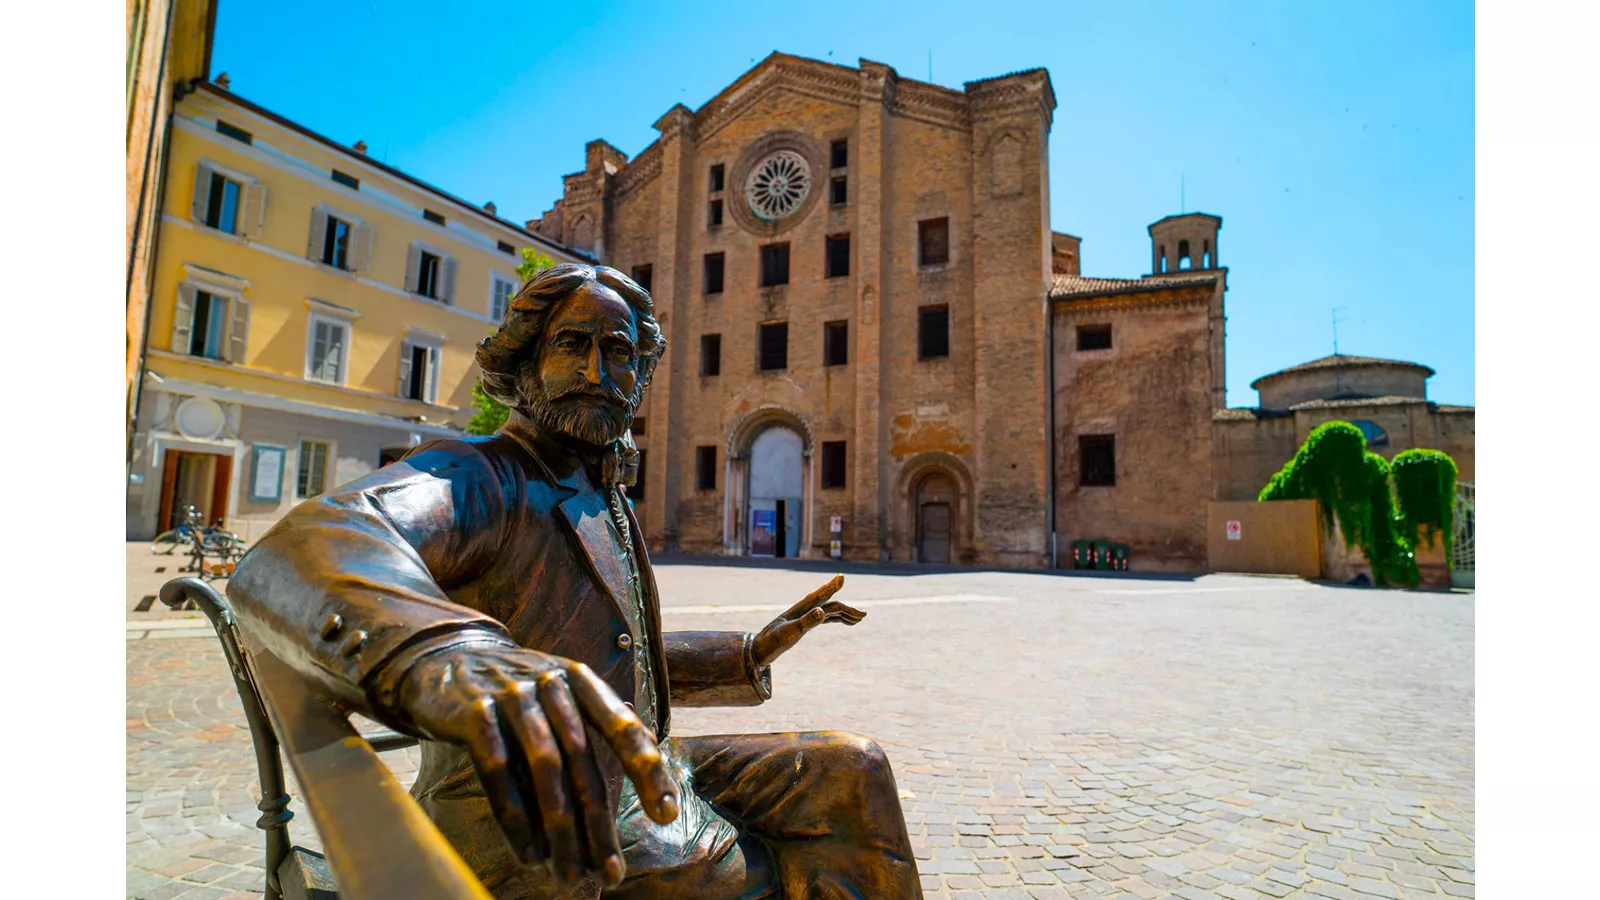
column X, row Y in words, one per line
column 1335, row 468
column 1425, row 492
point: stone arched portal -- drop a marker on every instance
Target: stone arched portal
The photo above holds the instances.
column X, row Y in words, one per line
column 934, row 513
column 767, row 501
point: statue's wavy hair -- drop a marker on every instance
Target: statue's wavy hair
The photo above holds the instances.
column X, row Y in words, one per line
column 503, row 355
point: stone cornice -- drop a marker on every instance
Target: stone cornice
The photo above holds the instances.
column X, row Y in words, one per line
column 641, row 171
column 1028, row 91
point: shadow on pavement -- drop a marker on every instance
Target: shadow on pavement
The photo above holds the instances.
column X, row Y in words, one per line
column 903, row 570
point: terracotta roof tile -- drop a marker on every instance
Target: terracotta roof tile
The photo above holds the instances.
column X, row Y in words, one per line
column 1066, row 287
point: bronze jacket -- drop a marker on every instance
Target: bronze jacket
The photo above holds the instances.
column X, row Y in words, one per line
column 502, row 533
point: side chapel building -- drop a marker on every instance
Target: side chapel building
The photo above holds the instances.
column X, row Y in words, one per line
column 871, row 323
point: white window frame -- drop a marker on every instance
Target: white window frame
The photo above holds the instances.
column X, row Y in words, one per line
column 496, row 279
column 416, row 337
column 358, row 232
column 245, row 180
column 443, row 287
column 222, row 285
column 327, row 313
column 330, row 466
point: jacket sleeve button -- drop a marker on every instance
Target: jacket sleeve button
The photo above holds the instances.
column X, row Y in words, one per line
column 330, row 627
column 353, row 644
column 624, row 641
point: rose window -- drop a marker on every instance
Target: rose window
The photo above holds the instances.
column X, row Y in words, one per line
column 778, row 185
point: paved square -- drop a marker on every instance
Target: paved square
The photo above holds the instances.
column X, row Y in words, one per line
column 1053, row 736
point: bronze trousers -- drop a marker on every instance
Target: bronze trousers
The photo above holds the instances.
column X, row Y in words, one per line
column 793, row 816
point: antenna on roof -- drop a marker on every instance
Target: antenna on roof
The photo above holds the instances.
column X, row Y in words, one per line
column 1334, row 316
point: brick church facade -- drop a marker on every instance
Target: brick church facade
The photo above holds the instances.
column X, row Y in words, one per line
column 871, row 323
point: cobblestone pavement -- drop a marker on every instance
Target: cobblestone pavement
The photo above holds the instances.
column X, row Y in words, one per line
column 1227, row 737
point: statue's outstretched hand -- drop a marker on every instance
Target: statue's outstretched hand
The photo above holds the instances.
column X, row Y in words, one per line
column 520, row 714
column 786, row 630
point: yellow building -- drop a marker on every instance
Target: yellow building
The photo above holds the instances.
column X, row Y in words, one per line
column 314, row 314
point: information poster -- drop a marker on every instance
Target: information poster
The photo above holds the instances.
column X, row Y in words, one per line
column 266, row 474
column 763, row 532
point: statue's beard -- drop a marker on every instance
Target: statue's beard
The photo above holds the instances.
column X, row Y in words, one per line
column 593, row 414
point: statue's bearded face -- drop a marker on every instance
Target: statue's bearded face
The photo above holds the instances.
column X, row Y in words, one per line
column 585, row 381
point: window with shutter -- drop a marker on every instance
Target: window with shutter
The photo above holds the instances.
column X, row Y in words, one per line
column 427, row 283
column 183, row 319
column 413, row 267
column 238, row 330
column 502, row 289
column 209, row 329
column 363, row 244
column 318, row 236
column 202, row 193
column 447, row 287
column 254, row 215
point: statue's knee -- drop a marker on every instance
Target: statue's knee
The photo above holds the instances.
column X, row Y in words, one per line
column 853, row 753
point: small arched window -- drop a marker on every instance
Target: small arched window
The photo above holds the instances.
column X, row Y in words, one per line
column 1184, row 260
column 1376, row 436
column 1205, row 255
column 1162, row 252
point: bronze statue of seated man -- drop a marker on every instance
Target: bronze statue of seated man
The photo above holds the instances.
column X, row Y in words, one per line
column 492, row 596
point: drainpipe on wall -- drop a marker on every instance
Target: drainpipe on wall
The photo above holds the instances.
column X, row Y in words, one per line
column 1050, row 421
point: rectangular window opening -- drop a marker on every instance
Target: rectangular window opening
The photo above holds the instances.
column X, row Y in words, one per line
column 714, row 213
column 1094, row 337
column 833, row 459
column 417, row 384
column 836, row 343
column 235, row 132
column 1097, row 460
column 716, row 178
column 839, row 155
column 428, row 274
column 711, row 280
column 638, row 426
column 336, row 243
column 774, row 346
column 710, row 355
column 705, row 468
column 349, row 181
column 643, row 276
column 774, row 265
column 311, row 479
column 840, row 193
column 327, row 350
column 433, row 217
column 222, row 207
column 933, row 332
column 506, row 248
column 933, row 242
column 210, row 325
column 837, row 261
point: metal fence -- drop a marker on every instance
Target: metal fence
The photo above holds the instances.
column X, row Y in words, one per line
column 1463, row 553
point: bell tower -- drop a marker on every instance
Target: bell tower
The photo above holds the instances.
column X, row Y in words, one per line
column 1184, row 243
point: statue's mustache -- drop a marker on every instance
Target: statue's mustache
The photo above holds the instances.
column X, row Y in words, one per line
column 606, row 390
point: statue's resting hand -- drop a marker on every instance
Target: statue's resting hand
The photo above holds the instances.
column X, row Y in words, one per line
column 520, row 714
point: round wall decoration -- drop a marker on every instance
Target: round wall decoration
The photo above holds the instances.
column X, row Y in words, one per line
column 199, row 419
column 772, row 184
column 778, row 185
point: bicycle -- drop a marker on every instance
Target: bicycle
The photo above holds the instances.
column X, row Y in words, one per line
column 189, row 530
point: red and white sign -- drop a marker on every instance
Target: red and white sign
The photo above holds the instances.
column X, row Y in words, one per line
column 835, row 523
column 1235, row 530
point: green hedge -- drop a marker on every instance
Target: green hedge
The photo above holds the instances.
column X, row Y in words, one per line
column 1379, row 507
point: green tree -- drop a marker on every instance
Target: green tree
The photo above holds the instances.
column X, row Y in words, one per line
column 492, row 413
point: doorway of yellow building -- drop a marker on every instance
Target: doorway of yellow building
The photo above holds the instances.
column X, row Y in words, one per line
column 193, row 479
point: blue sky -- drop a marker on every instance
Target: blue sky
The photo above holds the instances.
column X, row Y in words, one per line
column 1335, row 139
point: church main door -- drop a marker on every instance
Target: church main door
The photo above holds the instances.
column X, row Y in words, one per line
column 934, row 546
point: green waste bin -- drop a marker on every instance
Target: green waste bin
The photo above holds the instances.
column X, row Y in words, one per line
column 1082, row 555
column 1102, row 555
column 1119, row 557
